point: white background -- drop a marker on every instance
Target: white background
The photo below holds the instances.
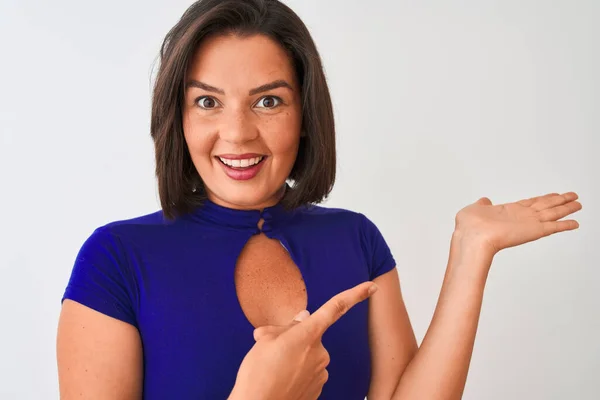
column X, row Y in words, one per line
column 437, row 103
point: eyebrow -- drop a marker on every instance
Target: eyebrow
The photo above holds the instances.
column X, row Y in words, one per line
column 280, row 83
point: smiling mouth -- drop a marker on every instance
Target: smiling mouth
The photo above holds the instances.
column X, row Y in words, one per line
column 240, row 164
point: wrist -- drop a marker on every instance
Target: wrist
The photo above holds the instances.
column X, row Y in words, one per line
column 473, row 244
column 470, row 253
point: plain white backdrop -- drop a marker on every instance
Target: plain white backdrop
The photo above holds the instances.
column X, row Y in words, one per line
column 437, row 103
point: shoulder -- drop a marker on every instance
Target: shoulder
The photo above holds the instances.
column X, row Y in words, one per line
column 116, row 239
column 339, row 222
column 144, row 221
column 107, row 249
column 322, row 213
column 335, row 217
column 111, row 231
column 351, row 228
column 136, row 227
column 103, row 276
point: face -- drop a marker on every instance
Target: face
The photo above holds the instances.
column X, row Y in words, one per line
column 242, row 119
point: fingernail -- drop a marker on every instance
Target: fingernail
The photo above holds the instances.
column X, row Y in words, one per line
column 373, row 289
column 302, row 315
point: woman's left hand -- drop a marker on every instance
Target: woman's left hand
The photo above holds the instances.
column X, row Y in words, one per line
column 497, row 227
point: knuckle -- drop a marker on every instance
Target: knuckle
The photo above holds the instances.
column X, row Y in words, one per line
column 324, row 357
column 340, row 307
column 324, row 377
column 265, row 337
column 262, row 333
column 316, row 392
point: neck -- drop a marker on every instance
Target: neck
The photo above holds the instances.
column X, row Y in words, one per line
column 270, row 202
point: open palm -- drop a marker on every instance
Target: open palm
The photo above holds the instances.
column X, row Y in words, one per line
column 511, row 224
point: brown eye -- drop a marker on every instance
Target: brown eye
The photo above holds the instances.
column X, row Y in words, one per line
column 206, row 102
column 269, row 102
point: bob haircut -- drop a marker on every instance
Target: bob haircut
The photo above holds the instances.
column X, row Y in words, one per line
column 312, row 177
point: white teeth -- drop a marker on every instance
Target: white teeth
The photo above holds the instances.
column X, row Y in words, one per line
column 248, row 162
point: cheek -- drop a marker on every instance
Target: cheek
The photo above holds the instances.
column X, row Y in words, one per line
column 284, row 144
column 198, row 138
column 286, row 136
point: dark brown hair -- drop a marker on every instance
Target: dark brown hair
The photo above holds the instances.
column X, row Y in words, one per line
column 313, row 173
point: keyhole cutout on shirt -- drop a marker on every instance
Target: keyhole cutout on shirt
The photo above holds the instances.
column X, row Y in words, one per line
column 269, row 285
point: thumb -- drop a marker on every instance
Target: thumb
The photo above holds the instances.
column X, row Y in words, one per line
column 276, row 330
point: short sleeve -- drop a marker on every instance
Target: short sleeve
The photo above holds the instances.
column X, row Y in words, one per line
column 100, row 278
column 379, row 255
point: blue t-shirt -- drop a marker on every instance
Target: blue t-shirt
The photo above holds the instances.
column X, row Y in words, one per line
column 174, row 281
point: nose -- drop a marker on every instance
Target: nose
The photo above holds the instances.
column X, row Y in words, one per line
column 238, row 127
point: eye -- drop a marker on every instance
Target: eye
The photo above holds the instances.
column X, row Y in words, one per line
column 206, row 102
column 269, row 102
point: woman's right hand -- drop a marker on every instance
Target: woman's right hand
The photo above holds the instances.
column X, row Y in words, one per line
column 289, row 362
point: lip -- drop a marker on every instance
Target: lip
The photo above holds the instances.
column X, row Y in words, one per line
column 240, row 156
column 241, row 174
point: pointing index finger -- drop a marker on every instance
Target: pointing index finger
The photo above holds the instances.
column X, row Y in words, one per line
column 315, row 325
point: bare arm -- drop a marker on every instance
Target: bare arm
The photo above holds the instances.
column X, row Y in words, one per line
column 99, row 357
column 440, row 367
column 391, row 337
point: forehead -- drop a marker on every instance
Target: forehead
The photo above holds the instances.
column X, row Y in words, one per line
column 239, row 63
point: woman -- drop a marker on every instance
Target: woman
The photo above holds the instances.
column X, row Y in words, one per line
column 241, row 287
